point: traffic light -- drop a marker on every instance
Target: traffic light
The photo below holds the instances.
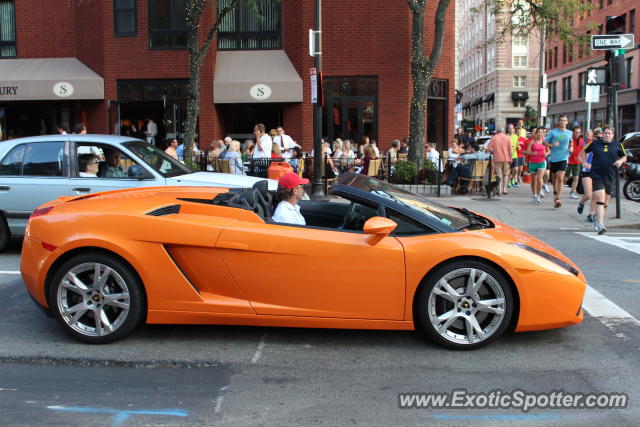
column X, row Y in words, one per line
column 615, row 24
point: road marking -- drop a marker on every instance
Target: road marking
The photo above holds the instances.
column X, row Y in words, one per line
column 256, row 356
column 626, row 241
column 9, row 272
column 8, row 389
column 605, row 310
column 119, row 415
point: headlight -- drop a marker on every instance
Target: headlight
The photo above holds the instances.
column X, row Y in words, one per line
column 549, row 257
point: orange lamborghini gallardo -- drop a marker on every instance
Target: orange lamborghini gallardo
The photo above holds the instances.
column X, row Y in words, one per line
column 372, row 257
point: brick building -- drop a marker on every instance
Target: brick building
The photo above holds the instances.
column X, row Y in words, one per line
column 499, row 80
column 110, row 64
column 566, row 67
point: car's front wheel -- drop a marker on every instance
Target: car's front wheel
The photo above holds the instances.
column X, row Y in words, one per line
column 97, row 298
column 464, row 305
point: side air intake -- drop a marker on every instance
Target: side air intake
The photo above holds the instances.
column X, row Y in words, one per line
column 165, row 210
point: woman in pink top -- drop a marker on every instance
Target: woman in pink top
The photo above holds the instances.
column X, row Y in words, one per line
column 537, row 164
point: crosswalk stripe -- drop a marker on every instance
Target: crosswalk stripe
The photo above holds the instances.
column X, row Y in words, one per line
column 9, row 272
column 627, row 241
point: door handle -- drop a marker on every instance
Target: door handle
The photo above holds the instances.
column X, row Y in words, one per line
column 4, row 188
column 232, row 245
column 84, row 189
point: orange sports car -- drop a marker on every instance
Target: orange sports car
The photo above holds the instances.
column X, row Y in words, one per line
column 372, row 257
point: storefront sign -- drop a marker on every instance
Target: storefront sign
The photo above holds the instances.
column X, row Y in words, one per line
column 314, row 85
column 8, row 90
column 260, row 92
column 63, row 89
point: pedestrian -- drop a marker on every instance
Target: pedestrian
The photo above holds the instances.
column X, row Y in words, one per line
column 520, row 130
column 172, row 148
column 537, row 153
column 513, row 169
column 460, row 136
column 587, row 188
column 574, row 169
column 558, row 140
column 500, row 146
column 151, row 131
column 80, row 129
column 285, row 142
column 62, row 129
column 608, row 156
column 263, row 142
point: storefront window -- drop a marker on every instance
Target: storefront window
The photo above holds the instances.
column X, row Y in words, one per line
column 124, row 18
column 7, row 29
column 350, row 110
column 167, row 24
column 255, row 26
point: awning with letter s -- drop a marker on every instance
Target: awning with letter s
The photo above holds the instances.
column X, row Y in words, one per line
column 255, row 76
column 40, row 79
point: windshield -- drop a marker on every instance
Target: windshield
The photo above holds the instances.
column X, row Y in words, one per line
column 402, row 197
column 162, row 163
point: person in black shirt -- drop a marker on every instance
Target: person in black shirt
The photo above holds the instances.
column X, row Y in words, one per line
column 608, row 156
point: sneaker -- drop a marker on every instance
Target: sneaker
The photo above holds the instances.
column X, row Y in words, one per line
column 580, row 208
column 509, row 185
column 574, row 195
column 547, row 188
column 515, row 184
column 601, row 229
column 589, row 219
column 557, row 203
column 541, row 195
column 537, row 200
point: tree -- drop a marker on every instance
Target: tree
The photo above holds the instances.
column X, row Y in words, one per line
column 197, row 53
column 422, row 71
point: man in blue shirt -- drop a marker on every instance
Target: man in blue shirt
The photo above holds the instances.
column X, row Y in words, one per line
column 608, row 156
column 559, row 141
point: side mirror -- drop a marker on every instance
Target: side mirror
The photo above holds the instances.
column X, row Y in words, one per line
column 138, row 172
column 378, row 228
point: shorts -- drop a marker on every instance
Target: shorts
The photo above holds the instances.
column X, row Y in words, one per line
column 521, row 161
column 501, row 168
column 600, row 184
column 585, row 174
column 558, row 166
column 574, row 170
column 533, row 167
column 514, row 163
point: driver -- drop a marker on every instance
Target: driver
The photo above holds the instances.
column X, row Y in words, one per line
column 290, row 192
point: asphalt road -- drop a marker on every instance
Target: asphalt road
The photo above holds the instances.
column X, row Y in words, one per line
column 196, row 375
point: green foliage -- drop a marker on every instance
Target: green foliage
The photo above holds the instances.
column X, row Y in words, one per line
column 405, row 172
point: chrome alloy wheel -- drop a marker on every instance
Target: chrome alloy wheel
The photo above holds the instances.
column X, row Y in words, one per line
column 466, row 306
column 93, row 299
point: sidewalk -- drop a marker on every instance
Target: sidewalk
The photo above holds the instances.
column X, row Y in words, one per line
column 517, row 209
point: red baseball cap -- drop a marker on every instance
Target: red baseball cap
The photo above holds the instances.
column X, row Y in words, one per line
column 291, row 180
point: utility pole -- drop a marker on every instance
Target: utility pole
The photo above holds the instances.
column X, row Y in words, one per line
column 317, row 191
column 541, row 83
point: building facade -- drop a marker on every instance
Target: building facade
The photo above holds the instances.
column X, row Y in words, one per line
column 112, row 64
column 497, row 77
column 566, row 67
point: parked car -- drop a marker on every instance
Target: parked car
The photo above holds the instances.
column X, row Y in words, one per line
column 35, row 170
column 373, row 256
column 631, row 144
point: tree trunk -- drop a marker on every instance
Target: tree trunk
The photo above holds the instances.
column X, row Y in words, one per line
column 421, row 77
column 193, row 108
column 422, row 72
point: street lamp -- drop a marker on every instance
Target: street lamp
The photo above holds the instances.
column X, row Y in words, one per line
column 317, row 191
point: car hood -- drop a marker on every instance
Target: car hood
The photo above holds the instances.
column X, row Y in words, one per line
column 219, row 180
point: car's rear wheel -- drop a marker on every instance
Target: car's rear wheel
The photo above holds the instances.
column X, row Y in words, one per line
column 464, row 305
column 5, row 234
column 97, row 298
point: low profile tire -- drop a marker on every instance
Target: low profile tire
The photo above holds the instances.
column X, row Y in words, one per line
column 5, row 234
column 464, row 305
column 631, row 190
column 97, row 298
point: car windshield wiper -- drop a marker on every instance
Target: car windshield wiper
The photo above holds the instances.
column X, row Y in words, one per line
column 474, row 219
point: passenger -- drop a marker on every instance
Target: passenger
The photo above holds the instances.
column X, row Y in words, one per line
column 113, row 169
column 88, row 165
column 290, row 192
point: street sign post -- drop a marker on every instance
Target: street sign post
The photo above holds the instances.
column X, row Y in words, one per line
column 612, row 41
column 592, row 94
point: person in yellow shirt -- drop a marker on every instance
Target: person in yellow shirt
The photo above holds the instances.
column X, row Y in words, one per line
column 513, row 137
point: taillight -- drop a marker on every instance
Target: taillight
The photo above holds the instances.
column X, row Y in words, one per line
column 41, row 211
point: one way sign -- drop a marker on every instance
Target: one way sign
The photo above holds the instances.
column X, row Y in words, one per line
column 597, row 76
column 612, row 41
